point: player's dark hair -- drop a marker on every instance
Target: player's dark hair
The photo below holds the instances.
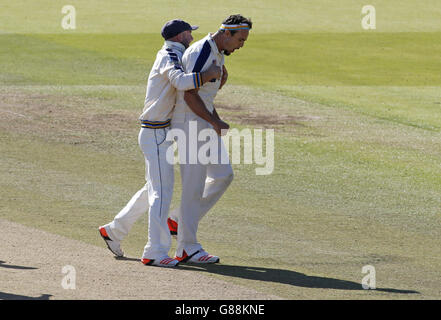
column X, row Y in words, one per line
column 237, row 19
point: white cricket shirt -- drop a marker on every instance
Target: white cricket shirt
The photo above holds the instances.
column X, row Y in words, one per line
column 166, row 77
column 198, row 58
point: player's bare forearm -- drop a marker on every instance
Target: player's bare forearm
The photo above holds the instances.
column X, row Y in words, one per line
column 196, row 104
column 215, row 114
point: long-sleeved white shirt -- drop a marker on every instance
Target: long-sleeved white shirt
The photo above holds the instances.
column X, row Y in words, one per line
column 167, row 76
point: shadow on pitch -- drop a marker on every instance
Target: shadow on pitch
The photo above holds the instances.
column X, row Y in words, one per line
column 11, row 296
column 284, row 277
column 127, row 259
column 10, row 266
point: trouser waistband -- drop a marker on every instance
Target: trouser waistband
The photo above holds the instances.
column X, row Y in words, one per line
column 155, row 124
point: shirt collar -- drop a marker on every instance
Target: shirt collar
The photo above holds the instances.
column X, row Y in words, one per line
column 175, row 45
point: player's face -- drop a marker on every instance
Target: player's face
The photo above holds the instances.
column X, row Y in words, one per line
column 236, row 41
column 186, row 38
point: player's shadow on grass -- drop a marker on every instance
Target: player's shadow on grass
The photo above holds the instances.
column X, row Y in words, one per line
column 284, row 277
column 11, row 296
column 10, row 266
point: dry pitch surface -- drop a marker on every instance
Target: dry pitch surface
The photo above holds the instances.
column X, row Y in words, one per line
column 32, row 264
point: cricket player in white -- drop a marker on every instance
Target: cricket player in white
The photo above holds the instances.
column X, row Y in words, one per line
column 165, row 78
column 203, row 184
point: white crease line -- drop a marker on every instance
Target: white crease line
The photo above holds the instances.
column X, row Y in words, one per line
column 17, row 114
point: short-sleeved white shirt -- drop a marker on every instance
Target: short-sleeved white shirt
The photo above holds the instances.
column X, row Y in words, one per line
column 198, row 58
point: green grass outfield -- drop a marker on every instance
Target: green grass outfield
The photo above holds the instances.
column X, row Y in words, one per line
column 357, row 119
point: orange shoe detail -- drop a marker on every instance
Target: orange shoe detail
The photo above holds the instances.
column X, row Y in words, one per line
column 183, row 258
column 147, row 261
column 104, row 233
column 172, row 226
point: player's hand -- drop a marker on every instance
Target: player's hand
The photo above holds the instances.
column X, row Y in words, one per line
column 220, row 127
column 214, row 71
column 224, row 76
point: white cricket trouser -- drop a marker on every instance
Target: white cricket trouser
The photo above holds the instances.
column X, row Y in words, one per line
column 202, row 185
column 156, row 195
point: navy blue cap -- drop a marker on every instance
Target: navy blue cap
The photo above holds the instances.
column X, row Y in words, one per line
column 174, row 27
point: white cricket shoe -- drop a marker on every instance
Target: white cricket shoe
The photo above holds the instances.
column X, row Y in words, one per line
column 114, row 246
column 165, row 261
column 200, row 256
